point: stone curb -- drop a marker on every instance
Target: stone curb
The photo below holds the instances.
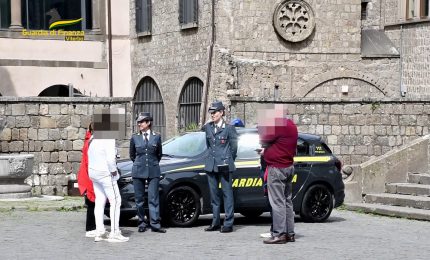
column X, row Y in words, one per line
column 44, row 203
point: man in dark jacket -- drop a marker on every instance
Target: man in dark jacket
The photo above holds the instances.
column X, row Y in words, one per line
column 221, row 140
column 146, row 152
column 278, row 134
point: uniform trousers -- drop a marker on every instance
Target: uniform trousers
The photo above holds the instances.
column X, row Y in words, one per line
column 279, row 184
column 106, row 187
column 153, row 201
column 225, row 178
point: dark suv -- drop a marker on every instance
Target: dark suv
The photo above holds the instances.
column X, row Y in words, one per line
column 184, row 193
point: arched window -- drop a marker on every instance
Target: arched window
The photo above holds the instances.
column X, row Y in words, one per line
column 59, row 91
column 190, row 103
column 147, row 98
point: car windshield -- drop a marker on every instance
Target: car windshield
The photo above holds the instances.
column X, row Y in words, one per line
column 187, row 145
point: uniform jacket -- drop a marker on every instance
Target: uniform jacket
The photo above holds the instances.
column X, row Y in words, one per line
column 84, row 182
column 145, row 157
column 222, row 146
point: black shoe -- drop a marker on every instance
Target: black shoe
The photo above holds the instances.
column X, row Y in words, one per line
column 226, row 229
column 212, row 228
column 291, row 238
column 158, row 230
column 141, row 229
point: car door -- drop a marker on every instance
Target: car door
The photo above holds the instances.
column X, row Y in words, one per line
column 247, row 183
column 302, row 165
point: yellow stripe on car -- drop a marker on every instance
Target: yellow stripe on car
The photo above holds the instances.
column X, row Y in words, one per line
column 312, row 158
column 243, row 164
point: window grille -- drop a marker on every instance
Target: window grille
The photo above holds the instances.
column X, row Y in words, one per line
column 147, row 98
column 189, row 104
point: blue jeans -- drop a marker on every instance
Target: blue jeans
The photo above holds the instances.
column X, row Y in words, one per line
column 214, row 178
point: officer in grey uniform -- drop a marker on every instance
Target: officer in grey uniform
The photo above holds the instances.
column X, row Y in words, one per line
column 221, row 140
column 146, row 152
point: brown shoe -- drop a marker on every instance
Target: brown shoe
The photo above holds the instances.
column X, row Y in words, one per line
column 282, row 239
column 291, row 238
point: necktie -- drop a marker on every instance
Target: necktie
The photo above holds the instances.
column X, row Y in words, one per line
column 146, row 137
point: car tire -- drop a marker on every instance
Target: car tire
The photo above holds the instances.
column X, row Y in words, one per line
column 182, row 206
column 317, row 204
column 251, row 213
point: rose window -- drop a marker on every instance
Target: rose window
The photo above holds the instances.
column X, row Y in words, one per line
column 294, row 20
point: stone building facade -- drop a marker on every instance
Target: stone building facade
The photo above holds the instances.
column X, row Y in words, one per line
column 363, row 99
column 35, row 60
column 53, row 129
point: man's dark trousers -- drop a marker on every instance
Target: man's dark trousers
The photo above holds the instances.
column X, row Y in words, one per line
column 153, row 201
column 214, row 178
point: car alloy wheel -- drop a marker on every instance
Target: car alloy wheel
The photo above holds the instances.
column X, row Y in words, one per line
column 317, row 204
column 183, row 206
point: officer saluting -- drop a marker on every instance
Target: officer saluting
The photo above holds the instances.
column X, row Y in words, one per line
column 221, row 140
column 146, row 152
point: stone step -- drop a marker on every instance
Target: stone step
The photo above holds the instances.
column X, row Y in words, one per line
column 408, row 188
column 387, row 210
column 419, row 202
column 420, row 178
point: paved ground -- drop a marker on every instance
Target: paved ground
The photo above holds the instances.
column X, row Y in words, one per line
column 347, row 235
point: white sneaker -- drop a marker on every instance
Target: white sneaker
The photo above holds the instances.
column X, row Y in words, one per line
column 91, row 233
column 266, row 235
column 101, row 236
column 117, row 238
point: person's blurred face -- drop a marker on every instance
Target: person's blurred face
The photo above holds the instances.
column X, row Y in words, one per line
column 216, row 116
column 144, row 125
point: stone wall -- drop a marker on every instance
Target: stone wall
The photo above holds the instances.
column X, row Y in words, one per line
column 411, row 38
column 356, row 129
column 248, row 26
column 171, row 55
column 53, row 129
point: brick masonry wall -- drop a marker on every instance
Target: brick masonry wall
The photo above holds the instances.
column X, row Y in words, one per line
column 251, row 60
column 53, row 129
column 355, row 130
column 247, row 26
column 170, row 55
column 411, row 39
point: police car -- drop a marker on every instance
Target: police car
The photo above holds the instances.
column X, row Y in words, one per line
column 184, row 192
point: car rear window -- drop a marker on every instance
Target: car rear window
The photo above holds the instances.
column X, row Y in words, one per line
column 302, row 148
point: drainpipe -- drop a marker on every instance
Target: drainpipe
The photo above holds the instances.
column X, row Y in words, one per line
column 109, row 24
column 208, row 78
column 402, row 87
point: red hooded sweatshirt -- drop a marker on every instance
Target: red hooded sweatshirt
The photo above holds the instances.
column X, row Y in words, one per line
column 84, row 181
column 280, row 142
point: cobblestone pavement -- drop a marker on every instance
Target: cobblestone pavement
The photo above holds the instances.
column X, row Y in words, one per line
column 347, row 235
